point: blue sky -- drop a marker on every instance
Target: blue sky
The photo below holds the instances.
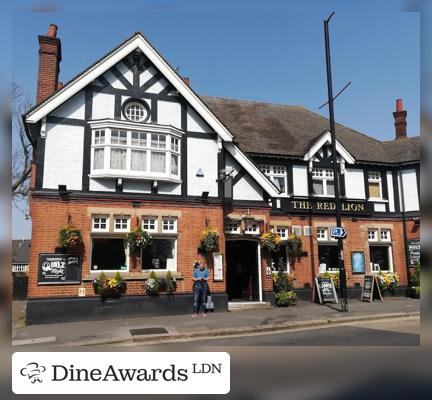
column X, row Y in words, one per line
column 272, row 51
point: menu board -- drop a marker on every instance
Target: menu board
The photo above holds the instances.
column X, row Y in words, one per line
column 414, row 251
column 59, row 269
column 217, row 267
column 371, row 289
column 358, row 262
column 326, row 290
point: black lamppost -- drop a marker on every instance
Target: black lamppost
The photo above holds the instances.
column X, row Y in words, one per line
column 336, row 169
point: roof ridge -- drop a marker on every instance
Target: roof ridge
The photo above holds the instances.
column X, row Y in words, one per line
column 253, row 101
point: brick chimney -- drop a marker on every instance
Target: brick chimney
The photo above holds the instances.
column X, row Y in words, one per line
column 400, row 120
column 49, row 64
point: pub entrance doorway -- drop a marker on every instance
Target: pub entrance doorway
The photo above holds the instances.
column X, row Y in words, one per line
column 242, row 259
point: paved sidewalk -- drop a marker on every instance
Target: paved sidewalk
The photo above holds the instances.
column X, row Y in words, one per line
column 225, row 323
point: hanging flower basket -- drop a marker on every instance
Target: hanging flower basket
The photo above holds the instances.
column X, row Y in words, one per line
column 138, row 239
column 70, row 237
column 270, row 241
column 294, row 245
column 209, row 240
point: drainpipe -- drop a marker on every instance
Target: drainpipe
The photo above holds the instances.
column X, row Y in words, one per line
column 400, row 182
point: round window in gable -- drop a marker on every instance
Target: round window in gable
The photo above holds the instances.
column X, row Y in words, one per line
column 136, row 111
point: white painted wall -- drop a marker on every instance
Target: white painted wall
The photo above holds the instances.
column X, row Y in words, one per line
column 158, row 86
column 300, row 180
column 102, row 185
column 136, row 186
column 230, row 164
column 169, row 113
column 380, row 207
column 247, row 189
column 63, row 161
column 202, row 153
column 113, row 80
column 390, row 191
column 73, row 108
column 195, row 123
column 354, row 184
column 125, row 71
column 103, row 106
column 409, row 181
column 146, row 75
column 169, row 188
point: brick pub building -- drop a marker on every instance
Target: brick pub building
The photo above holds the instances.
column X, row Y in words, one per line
column 127, row 142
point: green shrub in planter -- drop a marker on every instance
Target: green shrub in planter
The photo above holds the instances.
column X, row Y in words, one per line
column 413, row 292
column 283, row 282
column 169, row 283
column 152, row 284
column 282, row 299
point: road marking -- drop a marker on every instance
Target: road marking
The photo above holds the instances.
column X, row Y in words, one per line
column 22, row 342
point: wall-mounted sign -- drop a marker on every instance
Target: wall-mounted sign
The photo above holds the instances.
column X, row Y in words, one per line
column 217, row 267
column 328, row 206
column 59, row 269
column 414, row 251
column 358, row 262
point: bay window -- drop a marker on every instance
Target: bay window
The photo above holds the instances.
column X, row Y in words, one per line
column 136, row 154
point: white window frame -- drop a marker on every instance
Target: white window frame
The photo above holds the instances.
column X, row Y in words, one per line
column 172, row 220
column 252, row 227
column 390, row 258
column 141, row 106
column 107, row 223
column 150, row 218
column 98, row 271
column 282, row 231
column 170, row 148
column 275, row 171
column 121, row 217
column 175, row 256
column 375, row 177
column 388, row 236
column 229, row 225
column 325, row 175
column 320, row 237
column 375, row 236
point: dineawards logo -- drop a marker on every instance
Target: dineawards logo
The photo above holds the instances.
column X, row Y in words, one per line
column 33, row 371
column 121, row 373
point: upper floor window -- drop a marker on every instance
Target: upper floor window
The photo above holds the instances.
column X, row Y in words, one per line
column 374, row 184
column 322, row 233
column 323, row 182
column 296, row 230
column 385, row 235
column 169, row 224
column 149, row 224
column 252, row 227
column 282, row 231
column 135, row 111
column 100, row 223
column 136, row 154
column 277, row 174
column 372, row 234
column 232, row 227
column 121, row 224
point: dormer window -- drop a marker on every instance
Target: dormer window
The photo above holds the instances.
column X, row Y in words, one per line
column 277, row 174
column 323, row 182
column 136, row 111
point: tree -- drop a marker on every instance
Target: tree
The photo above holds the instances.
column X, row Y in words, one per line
column 21, row 148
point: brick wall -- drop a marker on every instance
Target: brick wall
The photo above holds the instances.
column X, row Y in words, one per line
column 50, row 215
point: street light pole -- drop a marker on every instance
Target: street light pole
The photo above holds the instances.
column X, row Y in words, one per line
column 336, row 169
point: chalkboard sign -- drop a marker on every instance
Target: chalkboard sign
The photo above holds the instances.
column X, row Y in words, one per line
column 414, row 251
column 326, row 290
column 59, row 269
column 371, row 289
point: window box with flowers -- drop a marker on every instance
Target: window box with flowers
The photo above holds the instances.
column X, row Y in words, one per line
column 270, row 241
column 209, row 240
column 70, row 237
column 388, row 282
column 109, row 287
column 138, row 239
